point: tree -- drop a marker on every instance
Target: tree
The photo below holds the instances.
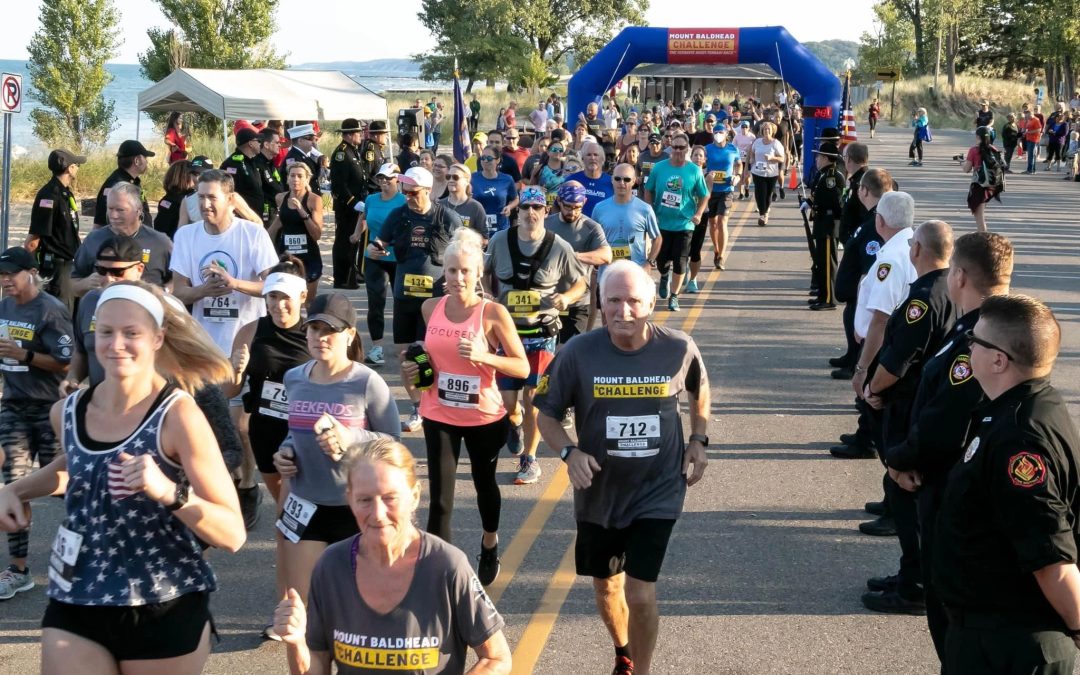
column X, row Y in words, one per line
column 556, row 28
column 890, row 46
column 67, row 72
column 477, row 34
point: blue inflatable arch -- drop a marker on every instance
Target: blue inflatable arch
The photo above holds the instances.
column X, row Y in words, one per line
column 773, row 45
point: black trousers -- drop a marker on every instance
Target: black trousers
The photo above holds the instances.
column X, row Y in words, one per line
column 344, row 252
column 928, row 501
column 972, row 649
column 378, row 277
column 824, row 268
column 902, row 506
column 59, row 285
column 853, row 348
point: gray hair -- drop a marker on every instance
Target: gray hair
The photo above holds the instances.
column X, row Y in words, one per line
column 638, row 276
column 897, row 210
column 131, row 191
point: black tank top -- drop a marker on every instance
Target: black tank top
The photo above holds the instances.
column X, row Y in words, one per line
column 293, row 237
column 274, row 350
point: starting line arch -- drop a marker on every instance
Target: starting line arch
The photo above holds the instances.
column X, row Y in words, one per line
column 820, row 88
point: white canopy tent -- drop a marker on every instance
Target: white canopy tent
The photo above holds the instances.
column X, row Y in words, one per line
column 263, row 94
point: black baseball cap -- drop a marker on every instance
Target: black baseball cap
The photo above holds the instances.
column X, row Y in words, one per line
column 656, row 138
column 17, row 259
column 60, row 160
column 124, row 249
column 201, row 163
column 333, row 309
column 246, row 135
column 133, row 149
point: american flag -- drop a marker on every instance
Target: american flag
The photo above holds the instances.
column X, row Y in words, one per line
column 847, row 118
column 462, row 147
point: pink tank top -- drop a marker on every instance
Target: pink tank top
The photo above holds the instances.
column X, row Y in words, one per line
column 464, row 393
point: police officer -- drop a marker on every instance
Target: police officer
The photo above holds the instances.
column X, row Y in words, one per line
column 348, row 184
column 825, row 198
column 914, row 331
column 54, row 225
column 374, row 152
column 856, row 156
column 241, row 166
column 131, row 163
column 269, row 176
column 1006, row 547
column 303, row 150
column 981, row 267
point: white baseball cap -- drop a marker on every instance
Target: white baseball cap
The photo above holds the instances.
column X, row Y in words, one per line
column 417, row 176
column 389, row 170
column 289, row 284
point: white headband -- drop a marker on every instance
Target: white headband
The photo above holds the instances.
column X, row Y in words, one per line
column 289, row 284
column 140, row 296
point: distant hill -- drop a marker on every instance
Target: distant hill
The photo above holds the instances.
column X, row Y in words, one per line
column 395, row 67
column 833, row 53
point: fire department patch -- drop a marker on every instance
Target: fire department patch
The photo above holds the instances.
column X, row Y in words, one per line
column 542, row 385
column 1027, row 470
column 872, row 247
column 915, row 311
column 883, row 271
column 960, row 370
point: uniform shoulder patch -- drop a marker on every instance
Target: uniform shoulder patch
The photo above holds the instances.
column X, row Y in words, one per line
column 883, row 271
column 1027, row 470
column 542, row 385
column 339, row 156
column 915, row 311
column 369, row 156
column 830, row 182
column 872, row 246
column 960, row 370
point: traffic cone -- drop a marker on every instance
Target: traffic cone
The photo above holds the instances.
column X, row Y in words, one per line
column 793, row 177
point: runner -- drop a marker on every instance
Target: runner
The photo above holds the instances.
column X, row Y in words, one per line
column 629, row 224
column 35, row 345
column 334, row 401
column 724, row 166
column 140, row 472
column 465, row 405
column 298, row 224
column 526, row 264
column 632, row 468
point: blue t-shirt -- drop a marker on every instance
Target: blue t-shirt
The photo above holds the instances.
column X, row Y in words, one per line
column 597, row 189
column 675, row 191
column 494, row 194
column 627, row 227
column 376, row 209
column 721, row 161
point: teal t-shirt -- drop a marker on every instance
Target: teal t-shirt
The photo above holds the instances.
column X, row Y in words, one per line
column 376, row 209
column 675, row 192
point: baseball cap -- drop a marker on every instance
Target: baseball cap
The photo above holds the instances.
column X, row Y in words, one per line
column 246, row 135
column 417, row 176
column 572, row 192
column 201, row 163
column 656, row 138
column 283, row 282
column 389, row 170
column 480, row 136
column 333, row 309
column 533, row 195
column 16, row 259
column 60, row 160
column 133, row 149
column 124, row 249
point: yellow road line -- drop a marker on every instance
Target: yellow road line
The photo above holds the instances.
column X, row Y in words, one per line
column 695, row 312
column 526, row 536
column 536, row 634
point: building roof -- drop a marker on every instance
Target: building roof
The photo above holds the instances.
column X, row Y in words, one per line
column 718, row 71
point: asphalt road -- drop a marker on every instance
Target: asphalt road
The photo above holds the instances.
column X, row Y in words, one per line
column 766, row 567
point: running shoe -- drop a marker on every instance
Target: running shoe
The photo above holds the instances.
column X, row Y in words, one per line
column 528, row 471
column 375, row 356
column 488, row 566
column 13, row 581
column 782, row 193
column 413, row 423
column 673, row 304
column 623, row 666
column 515, row 438
column 665, row 285
column 692, row 286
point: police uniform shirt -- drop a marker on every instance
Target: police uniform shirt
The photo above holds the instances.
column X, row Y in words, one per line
column 626, row 407
column 886, row 285
column 156, row 254
column 860, row 254
column 828, row 189
column 852, row 213
column 101, row 209
column 947, row 394
column 42, row 325
column 248, row 182
column 271, row 180
column 347, row 180
column 1011, row 506
column 372, row 157
column 54, row 218
column 295, row 154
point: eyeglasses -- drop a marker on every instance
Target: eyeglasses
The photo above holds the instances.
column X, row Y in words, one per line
column 113, row 271
column 530, row 207
column 453, row 177
column 622, row 179
column 680, row 147
column 976, row 340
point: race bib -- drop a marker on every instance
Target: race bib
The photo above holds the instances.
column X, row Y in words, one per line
column 459, row 391
column 295, row 516
column 636, row 436
column 719, row 176
column 272, row 401
column 296, row 243
column 65, row 551
column 523, row 304
column 761, row 167
column 419, row 286
column 8, row 364
column 672, row 200
column 620, row 252
column 221, row 309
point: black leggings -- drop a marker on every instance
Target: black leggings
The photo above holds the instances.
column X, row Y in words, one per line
column 1053, row 152
column 378, row 275
column 763, row 189
column 916, row 146
column 443, row 451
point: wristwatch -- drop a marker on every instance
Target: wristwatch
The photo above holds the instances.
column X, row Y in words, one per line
column 700, row 438
column 180, row 497
column 565, row 452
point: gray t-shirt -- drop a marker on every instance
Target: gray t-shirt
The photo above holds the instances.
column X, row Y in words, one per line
column 41, row 325
column 584, row 235
column 472, row 214
column 84, row 335
column 444, row 612
column 626, row 409
column 156, row 254
column 361, row 402
column 559, row 270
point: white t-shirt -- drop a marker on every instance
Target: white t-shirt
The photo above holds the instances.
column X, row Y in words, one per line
column 758, row 150
column 887, row 283
column 245, row 251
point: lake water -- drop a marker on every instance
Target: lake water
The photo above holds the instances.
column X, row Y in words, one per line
column 128, row 82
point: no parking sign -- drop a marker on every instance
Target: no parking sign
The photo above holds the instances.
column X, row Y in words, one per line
column 10, row 93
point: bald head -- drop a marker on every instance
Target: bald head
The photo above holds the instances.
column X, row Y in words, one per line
column 936, row 238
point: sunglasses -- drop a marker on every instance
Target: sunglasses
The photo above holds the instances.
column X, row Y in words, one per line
column 975, row 340
column 453, row 177
column 555, row 148
column 680, row 147
column 410, row 193
column 386, row 179
column 113, row 271
column 622, row 179
column 530, row 207
column 486, row 158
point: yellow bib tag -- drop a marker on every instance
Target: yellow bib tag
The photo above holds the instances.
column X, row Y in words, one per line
column 523, row 304
column 620, row 252
column 419, row 286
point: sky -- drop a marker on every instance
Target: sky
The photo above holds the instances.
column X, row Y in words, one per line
column 351, row 36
